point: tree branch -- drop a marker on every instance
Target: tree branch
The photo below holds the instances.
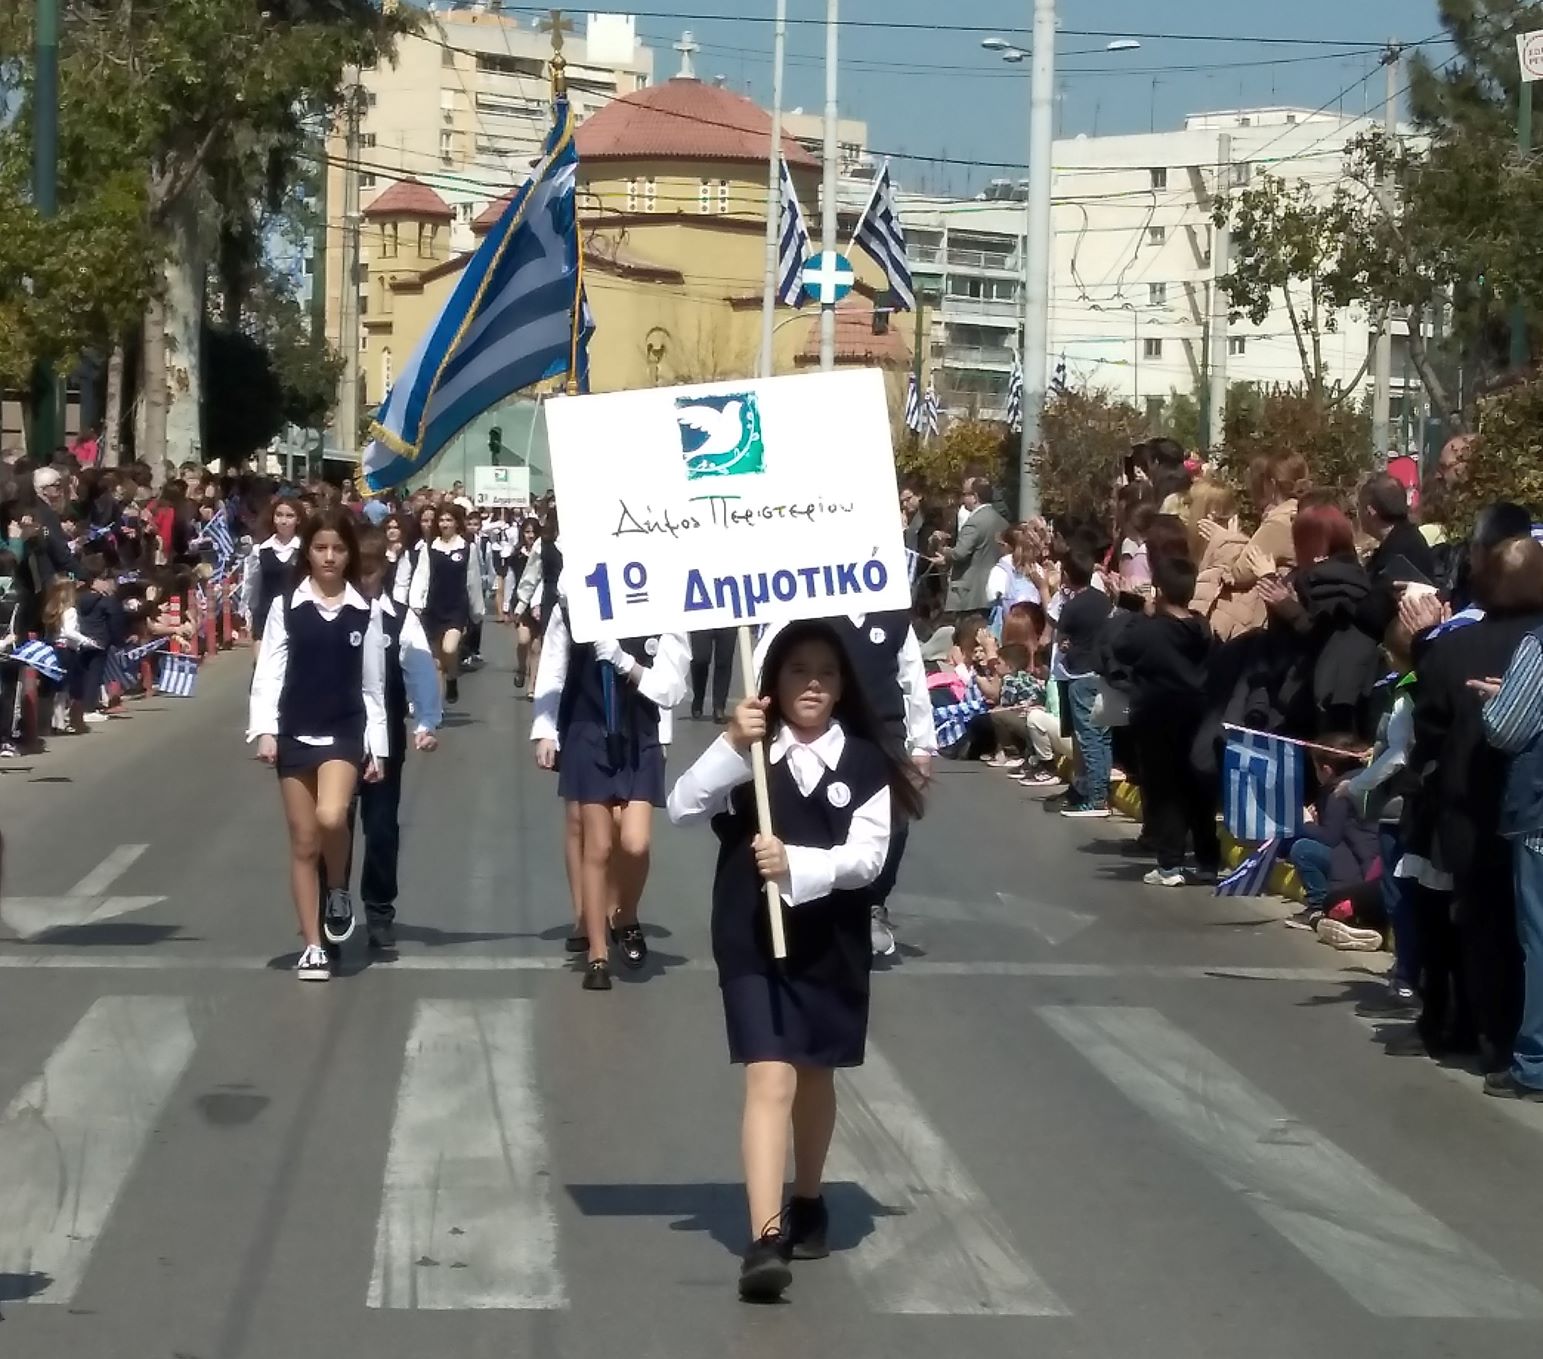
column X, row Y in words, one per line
column 166, row 190
column 1296, row 331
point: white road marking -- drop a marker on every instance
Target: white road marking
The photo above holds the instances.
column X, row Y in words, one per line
column 113, row 867
column 1054, row 924
column 914, row 969
column 1388, row 1254
column 466, row 1215
column 86, row 903
column 70, row 1139
column 936, row 1246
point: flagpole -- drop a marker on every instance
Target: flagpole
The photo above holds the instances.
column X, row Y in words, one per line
column 1036, row 245
column 828, row 217
column 773, row 196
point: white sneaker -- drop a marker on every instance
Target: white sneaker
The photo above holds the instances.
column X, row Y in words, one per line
column 880, row 936
column 1160, row 877
column 314, row 965
column 337, row 917
column 1348, row 938
column 94, row 718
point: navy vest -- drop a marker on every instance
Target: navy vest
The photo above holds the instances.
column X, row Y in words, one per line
column 273, row 576
column 323, row 692
column 391, row 624
column 874, row 650
column 828, row 940
column 622, row 710
column 447, row 582
column 1521, row 810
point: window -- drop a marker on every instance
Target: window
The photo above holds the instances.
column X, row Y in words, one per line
column 650, row 194
column 1156, row 235
column 1242, row 173
column 370, row 99
column 364, row 304
column 309, row 266
column 1245, row 121
column 367, row 141
column 1159, row 178
column 632, row 195
column 367, row 179
column 1291, row 117
column 704, row 196
column 723, row 195
column 1237, row 345
column 529, row 66
column 388, row 241
column 1151, row 348
column 385, row 370
column 364, row 342
column 1157, row 294
column 447, row 147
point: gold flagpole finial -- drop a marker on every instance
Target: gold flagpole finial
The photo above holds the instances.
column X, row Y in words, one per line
column 557, row 25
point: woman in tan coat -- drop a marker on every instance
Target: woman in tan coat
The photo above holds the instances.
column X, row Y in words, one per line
column 1274, row 484
column 1219, row 543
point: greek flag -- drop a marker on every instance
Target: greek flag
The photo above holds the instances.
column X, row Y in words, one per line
column 123, row 662
column 1015, row 397
column 1262, row 786
column 1251, row 877
column 40, row 657
column 930, row 411
column 177, row 676
column 517, row 316
column 880, row 234
column 913, row 407
column 794, row 248
column 1058, row 382
column 217, row 534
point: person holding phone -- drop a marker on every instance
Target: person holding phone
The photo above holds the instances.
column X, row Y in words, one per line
column 318, row 714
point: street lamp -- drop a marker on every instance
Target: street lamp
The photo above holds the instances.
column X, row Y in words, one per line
column 995, row 44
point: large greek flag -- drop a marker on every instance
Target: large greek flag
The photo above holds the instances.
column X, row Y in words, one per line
column 1015, row 396
column 914, row 420
column 516, row 316
column 793, row 247
column 880, row 234
column 1262, row 786
column 930, row 411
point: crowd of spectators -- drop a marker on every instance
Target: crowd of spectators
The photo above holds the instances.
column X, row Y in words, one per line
column 1119, row 651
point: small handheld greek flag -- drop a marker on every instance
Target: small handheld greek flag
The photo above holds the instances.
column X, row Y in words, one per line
column 1058, row 383
column 879, row 233
column 177, row 676
column 217, row 534
column 1015, row 397
column 40, row 657
column 1252, row 876
column 1262, row 786
column 793, row 247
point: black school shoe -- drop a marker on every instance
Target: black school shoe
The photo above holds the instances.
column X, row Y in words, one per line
column 764, row 1274
column 597, row 976
column 634, row 947
column 806, row 1229
column 452, row 691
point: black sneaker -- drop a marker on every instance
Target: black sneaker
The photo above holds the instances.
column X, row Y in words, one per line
column 764, row 1276
column 1503, row 1085
column 720, row 718
column 381, row 933
column 634, row 947
column 1398, row 1001
column 696, row 712
column 337, row 917
column 597, row 976
column 806, row 1228
column 452, row 691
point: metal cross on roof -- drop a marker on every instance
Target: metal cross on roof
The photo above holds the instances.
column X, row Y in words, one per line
column 688, row 48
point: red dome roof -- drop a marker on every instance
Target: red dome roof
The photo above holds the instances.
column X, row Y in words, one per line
column 410, row 198
column 487, row 219
column 683, row 119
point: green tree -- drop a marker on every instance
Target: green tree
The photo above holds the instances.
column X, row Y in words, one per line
column 1087, row 436
column 1336, row 440
column 965, row 447
column 1505, row 461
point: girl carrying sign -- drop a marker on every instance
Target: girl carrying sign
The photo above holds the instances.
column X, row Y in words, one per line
column 835, row 783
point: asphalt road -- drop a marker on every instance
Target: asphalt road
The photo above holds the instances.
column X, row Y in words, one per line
column 1099, row 1119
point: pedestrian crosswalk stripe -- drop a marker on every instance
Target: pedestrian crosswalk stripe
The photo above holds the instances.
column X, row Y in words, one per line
column 936, row 1246
column 466, row 1216
column 1370, row 1238
column 70, row 1139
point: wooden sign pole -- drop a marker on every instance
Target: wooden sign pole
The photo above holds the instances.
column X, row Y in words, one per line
column 762, row 798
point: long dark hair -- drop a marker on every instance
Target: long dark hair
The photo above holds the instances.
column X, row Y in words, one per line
column 341, row 521
column 852, row 709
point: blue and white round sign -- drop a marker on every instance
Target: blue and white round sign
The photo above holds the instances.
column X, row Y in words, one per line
column 828, row 277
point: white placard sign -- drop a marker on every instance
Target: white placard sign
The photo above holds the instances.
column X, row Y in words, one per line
column 496, row 488
column 1529, row 49
column 759, row 501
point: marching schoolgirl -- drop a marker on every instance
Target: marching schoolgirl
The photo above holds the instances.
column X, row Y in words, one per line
column 477, row 539
column 272, row 567
column 835, row 781
column 446, row 592
column 606, row 706
column 525, row 542
column 318, row 715
column 401, row 532
column 410, row 675
column 539, row 583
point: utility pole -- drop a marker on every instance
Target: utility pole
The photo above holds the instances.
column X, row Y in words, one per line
column 1036, row 281
column 1221, row 252
column 828, row 216
column 319, row 251
column 348, row 312
column 1521, row 350
column 1382, row 373
column 46, row 423
column 773, row 198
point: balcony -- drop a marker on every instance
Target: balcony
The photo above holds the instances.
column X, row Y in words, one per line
column 929, row 257
column 989, row 261
column 1003, row 311
column 989, row 357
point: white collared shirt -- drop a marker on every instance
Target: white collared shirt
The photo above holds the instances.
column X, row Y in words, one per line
column 419, row 672
column 704, row 790
column 273, row 667
column 418, row 590
column 252, row 578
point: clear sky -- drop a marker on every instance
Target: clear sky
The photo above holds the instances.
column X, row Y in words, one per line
column 934, row 91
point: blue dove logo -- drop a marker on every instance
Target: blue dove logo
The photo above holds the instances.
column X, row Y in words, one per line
column 720, row 436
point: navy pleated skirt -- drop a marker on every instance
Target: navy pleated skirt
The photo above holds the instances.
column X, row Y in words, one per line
column 591, row 770
column 772, row 1018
